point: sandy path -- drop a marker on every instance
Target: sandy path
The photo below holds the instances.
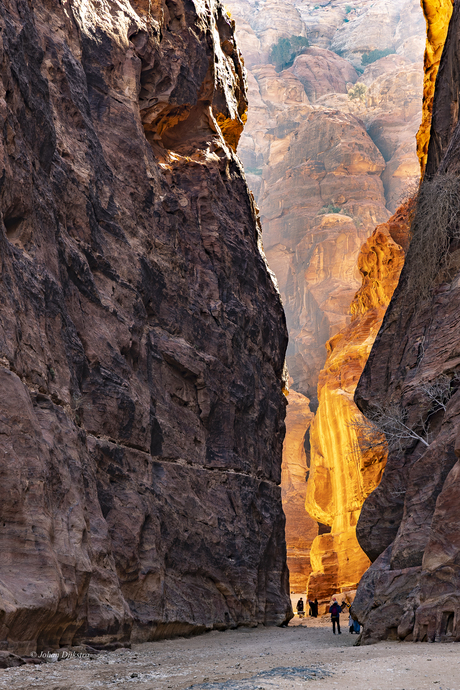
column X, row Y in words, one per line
column 254, row 659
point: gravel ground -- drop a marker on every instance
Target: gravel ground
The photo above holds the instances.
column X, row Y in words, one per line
column 304, row 656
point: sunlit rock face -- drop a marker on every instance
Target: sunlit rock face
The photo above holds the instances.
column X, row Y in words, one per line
column 301, row 529
column 438, row 14
column 410, row 524
column 379, row 26
column 142, row 340
column 327, row 168
column 337, row 168
column 341, row 474
column 322, row 71
column 290, row 108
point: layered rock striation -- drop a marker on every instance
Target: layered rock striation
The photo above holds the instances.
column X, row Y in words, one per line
column 409, row 525
column 142, row 339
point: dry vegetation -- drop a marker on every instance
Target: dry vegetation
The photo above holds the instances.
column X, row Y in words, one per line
column 434, row 229
column 388, row 428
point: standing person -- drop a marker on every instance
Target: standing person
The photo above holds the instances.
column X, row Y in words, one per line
column 300, row 609
column 351, row 627
column 335, row 610
column 315, row 608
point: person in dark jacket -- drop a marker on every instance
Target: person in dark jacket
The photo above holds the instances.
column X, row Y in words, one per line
column 315, row 609
column 300, row 608
column 335, row 611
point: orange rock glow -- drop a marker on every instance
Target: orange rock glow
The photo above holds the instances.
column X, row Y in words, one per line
column 301, row 529
column 341, row 476
column 437, row 14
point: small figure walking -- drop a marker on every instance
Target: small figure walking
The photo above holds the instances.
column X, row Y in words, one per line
column 300, row 608
column 335, row 611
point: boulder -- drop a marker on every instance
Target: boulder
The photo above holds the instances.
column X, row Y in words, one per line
column 322, row 71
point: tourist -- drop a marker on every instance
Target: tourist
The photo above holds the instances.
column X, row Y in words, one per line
column 335, row 611
column 315, row 609
column 300, row 609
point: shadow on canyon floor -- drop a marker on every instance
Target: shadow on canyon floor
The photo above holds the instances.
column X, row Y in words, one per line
column 254, row 659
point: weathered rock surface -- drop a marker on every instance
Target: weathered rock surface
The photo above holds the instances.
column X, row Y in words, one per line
column 316, row 213
column 341, row 474
column 335, row 199
column 301, row 529
column 438, row 14
column 322, row 71
column 391, row 25
column 141, row 337
column 410, row 523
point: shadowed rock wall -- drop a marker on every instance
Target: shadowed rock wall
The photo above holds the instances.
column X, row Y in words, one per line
column 142, row 340
column 410, row 523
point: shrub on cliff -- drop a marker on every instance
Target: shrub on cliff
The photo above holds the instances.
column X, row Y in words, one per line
column 435, row 235
column 375, row 55
column 357, row 91
column 388, row 428
column 284, row 52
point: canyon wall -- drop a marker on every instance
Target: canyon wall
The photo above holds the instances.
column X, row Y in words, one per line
column 327, row 161
column 301, row 529
column 343, row 472
column 325, row 166
column 409, row 525
column 335, row 569
column 437, row 14
column 142, row 339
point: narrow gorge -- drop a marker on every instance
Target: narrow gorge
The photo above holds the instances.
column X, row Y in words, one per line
column 183, row 185
column 330, row 153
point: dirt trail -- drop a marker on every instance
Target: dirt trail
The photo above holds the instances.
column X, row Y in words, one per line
column 304, row 656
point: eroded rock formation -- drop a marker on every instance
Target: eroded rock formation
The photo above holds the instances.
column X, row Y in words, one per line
column 312, row 152
column 437, row 14
column 342, row 473
column 410, row 523
column 327, row 164
column 141, row 337
column 301, row 529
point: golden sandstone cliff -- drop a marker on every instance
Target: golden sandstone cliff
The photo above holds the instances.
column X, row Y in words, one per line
column 342, row 475
column 410, row 524
column 338, row 561
column 301, row 529
column 326, row 168
column 437, row 14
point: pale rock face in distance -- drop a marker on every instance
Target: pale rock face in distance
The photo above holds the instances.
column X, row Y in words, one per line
column 322, row 71
column 380, row 26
